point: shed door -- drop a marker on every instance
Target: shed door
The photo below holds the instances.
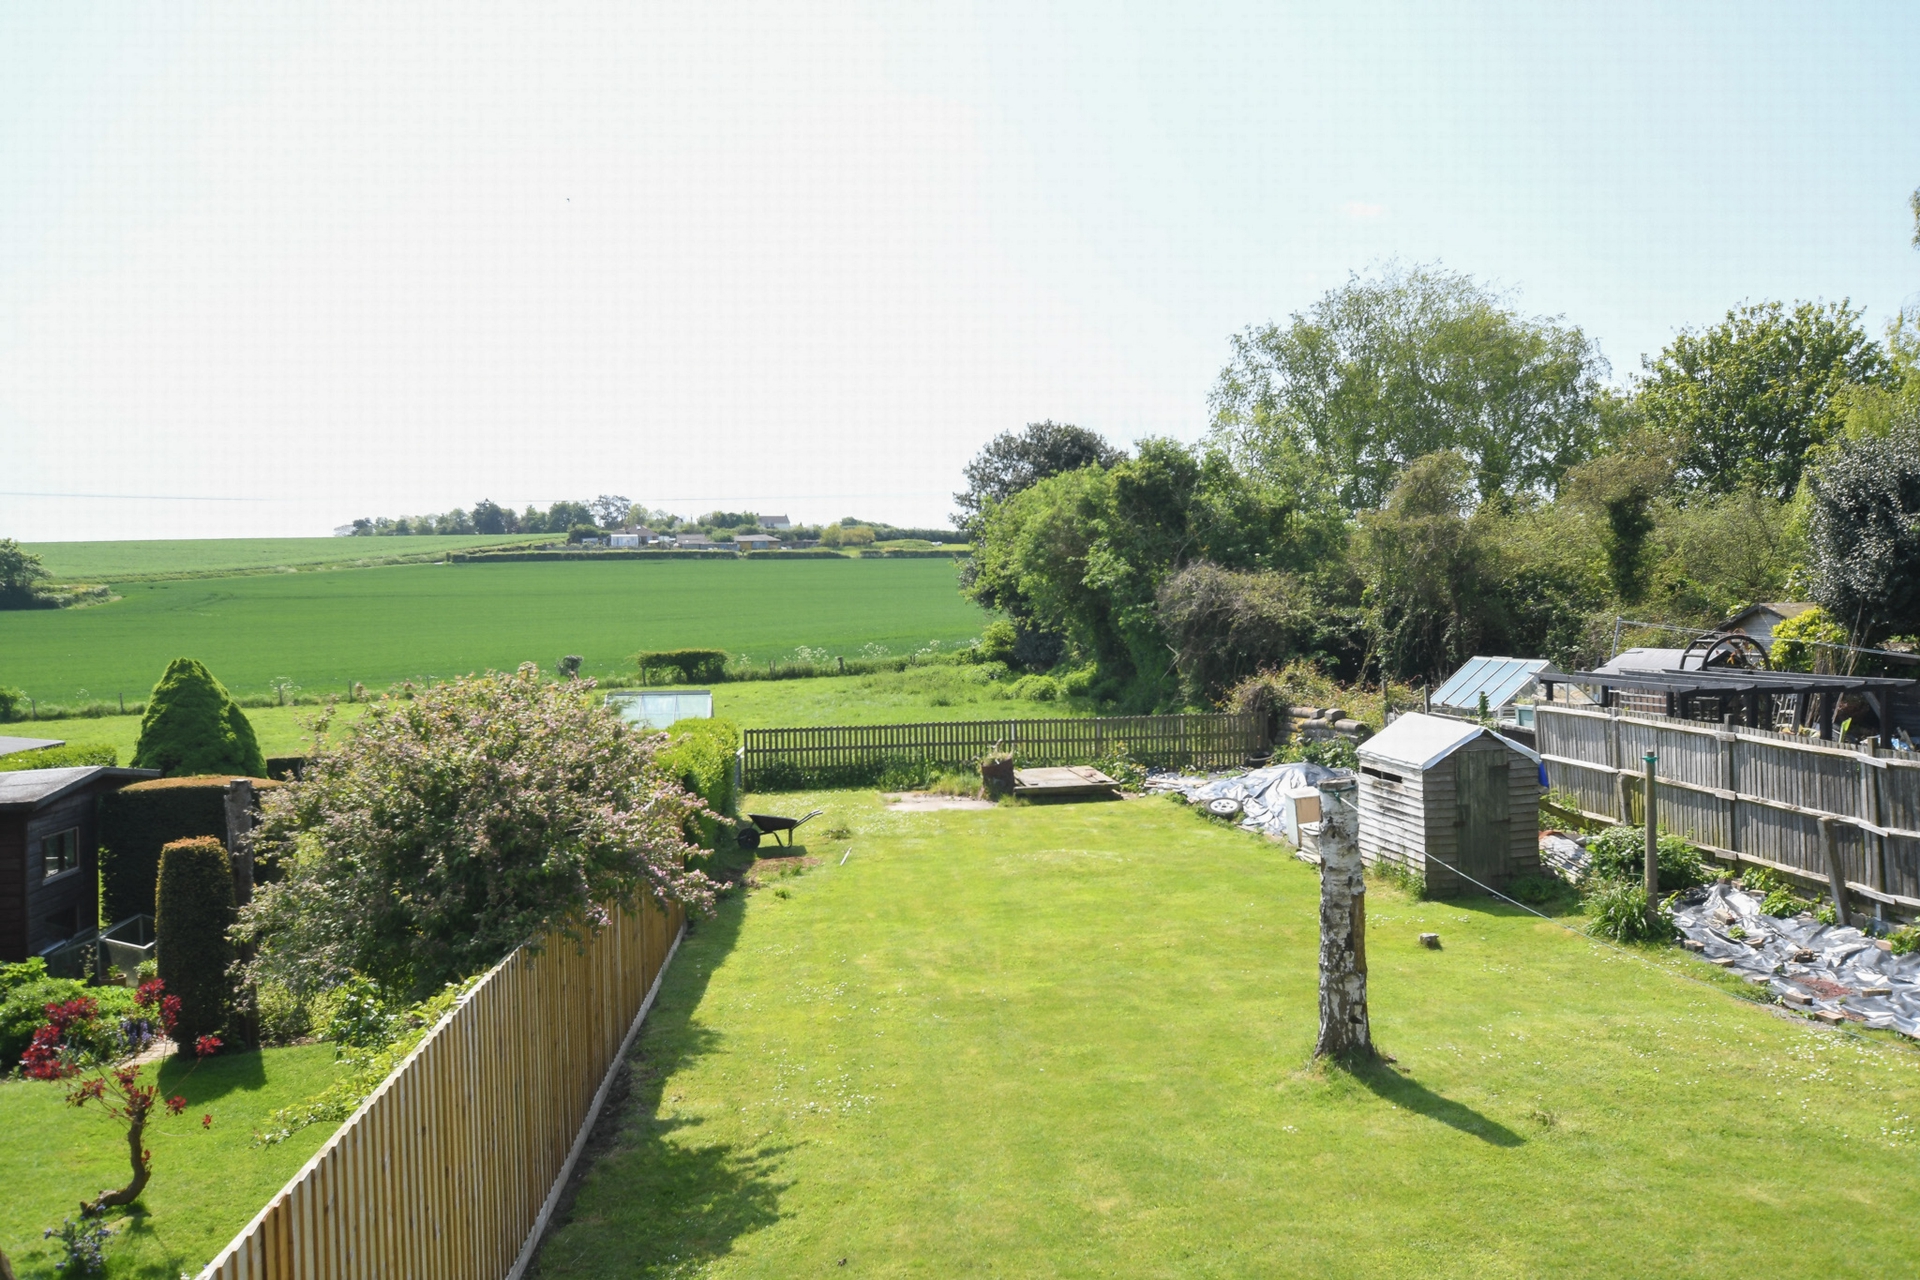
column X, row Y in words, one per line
column 1480, row 783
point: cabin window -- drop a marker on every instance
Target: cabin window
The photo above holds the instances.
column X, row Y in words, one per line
column 1381, row 774
column 60, row 853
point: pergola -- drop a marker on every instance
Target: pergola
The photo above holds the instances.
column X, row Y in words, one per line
column 1744, row 696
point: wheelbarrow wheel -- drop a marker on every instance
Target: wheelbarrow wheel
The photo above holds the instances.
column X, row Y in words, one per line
column 748, row 838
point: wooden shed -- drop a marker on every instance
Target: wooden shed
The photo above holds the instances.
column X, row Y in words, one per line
column 49, row 866
column 1438, row 794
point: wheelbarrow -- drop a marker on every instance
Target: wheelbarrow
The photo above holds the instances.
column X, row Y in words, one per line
column 767, row 824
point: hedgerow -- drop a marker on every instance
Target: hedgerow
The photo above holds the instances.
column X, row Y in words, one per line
column 193, row 913
column 700, row 754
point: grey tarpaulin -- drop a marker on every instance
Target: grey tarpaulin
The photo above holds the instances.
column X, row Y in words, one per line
column 1817, row 966
column 1260, row 792
column 1564, row 856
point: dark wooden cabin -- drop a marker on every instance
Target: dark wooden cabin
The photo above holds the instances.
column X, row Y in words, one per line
column 49, row 868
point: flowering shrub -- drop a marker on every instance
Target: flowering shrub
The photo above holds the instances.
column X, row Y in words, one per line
column 85, row 1245
column 458, row 822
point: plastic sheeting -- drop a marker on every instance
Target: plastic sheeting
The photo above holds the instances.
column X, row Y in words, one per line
column 1564, row 856
column 1809, row 964
column 1259, row 792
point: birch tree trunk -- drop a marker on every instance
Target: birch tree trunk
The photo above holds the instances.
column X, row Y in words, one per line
column 1344, row 1031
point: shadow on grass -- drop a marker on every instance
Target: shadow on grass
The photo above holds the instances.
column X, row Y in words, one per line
column 645, row 1199
column 1405, row 1092
column 204, row 1079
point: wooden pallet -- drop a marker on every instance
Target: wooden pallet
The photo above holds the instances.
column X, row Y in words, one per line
column 1073, row 780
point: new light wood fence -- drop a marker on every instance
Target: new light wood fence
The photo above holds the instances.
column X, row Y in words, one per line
column 790, row 756
column 1820, row 809
column 449, row 1169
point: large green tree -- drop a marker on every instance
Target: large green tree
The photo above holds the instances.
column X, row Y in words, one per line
column 1017, row 460
column 1865, row 553
column 1417, row 360
column 20, row 573
column 1083, row 554
column 1748, row 400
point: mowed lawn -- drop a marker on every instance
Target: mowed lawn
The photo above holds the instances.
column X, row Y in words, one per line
column 1074, row 1041
column 207, row 1183
column 327, row 630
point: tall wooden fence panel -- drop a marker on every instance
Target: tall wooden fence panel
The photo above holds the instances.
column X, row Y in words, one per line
column 1181, row 741
column 1777, row 799
column 448, row 1168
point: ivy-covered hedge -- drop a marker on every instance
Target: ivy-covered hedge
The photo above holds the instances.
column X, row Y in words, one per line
column 700, row 755
column 65, row 757
column 136, row 821
column 195, row 911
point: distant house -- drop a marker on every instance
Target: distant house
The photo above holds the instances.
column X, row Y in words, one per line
column 1759, row 620
column 775, row 522
column 631, row 541
column 49, row 863
column 756, row 542
column 694, row 540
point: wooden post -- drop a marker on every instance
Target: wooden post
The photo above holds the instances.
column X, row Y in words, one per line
column 1344, row 1029
column 1836, row 877
column 1653, row 842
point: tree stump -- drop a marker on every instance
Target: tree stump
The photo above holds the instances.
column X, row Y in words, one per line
column 1344, row 1030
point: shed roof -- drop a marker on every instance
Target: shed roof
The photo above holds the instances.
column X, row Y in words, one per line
column 8, row 746
column 31, row 788
column 1501, row 679
column 1416, row 742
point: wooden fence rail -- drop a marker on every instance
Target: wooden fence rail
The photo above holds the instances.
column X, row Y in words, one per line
column 1807, row 807
column 1182, row 741
column 450, row 1168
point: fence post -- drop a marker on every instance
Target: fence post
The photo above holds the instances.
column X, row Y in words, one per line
column 1836, row 876
column 1653, row 844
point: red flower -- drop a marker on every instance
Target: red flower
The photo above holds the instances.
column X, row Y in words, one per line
column 45, row 1058
column 206, row 1121
column 149, row 992
column 176, row 1104
column 206, row 1046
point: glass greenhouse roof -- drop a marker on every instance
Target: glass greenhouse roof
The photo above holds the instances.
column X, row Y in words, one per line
column 1501, row 679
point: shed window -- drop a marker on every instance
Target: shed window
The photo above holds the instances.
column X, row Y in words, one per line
column 60, row 852
column 1381, row 774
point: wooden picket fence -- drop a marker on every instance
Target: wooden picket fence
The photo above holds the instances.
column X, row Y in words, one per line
column 450, row 1168
column 1180, row 741
column 1825, row 810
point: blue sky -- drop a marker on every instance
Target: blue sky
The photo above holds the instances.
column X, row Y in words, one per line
column 341, row 260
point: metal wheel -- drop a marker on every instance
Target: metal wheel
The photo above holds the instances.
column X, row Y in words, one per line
column 1725, row 650
column 748, row 838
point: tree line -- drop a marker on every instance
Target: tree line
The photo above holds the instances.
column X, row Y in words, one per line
column 610, row 512
column 1411, row 471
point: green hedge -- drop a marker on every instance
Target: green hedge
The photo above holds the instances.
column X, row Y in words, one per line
column 136, row 821
column 690, row 665
column 610, row 553
column 794, row 553
column 65, row 757
column 195, row 900
column 700, row 753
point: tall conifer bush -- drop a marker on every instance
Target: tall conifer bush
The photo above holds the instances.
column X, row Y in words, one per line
column 194, row 910
column 193, row 726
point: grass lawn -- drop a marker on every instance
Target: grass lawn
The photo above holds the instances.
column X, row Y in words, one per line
column 1074, row 1040
column 161, row 557
column 326, row 630
column 922, row 693
column 207, row 1184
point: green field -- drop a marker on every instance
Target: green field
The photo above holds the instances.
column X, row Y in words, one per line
column 1074, row 1040
column 207, row 1183
column 123, row 561
column 888, row 697
column 376, row 626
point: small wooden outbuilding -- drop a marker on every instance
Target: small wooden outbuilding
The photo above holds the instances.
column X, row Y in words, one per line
column 1439, row 794
column 49, row 863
